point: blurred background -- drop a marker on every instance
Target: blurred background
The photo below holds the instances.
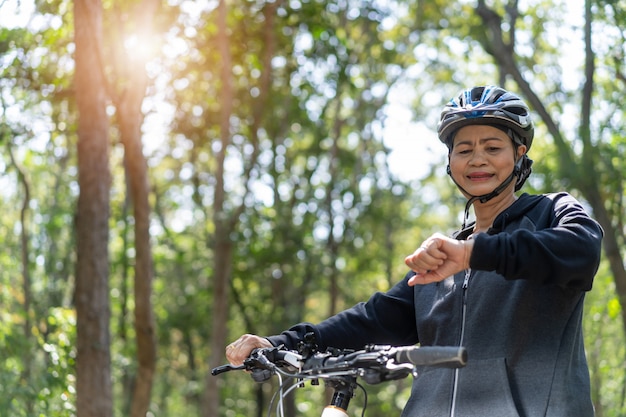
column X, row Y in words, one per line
column 176, row 173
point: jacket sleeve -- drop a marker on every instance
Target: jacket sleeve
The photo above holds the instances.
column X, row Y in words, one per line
column 564, row 249
column 386, row 318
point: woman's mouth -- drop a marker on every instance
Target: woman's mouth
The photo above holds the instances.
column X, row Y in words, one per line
column 479, row 176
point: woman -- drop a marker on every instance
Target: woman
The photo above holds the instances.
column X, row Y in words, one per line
column 509, row 287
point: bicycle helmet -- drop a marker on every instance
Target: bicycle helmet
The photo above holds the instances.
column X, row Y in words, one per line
column 488, row 105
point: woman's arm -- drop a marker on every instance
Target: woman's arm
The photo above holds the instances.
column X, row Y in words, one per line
column 564, row 251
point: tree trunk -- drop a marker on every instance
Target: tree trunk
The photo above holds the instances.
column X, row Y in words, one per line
column 223, row 270
column 223, row 247
column 588, row 177
column 130, row 73
column 27, row 357
column 225, row 221
column 93, row 361
column 137, row 179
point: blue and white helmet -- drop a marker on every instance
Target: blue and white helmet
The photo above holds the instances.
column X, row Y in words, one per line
column 487, row 105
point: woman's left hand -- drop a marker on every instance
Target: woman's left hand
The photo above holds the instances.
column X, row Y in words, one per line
column 438, row 258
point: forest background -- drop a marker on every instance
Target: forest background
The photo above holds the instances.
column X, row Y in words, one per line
column 176, row 173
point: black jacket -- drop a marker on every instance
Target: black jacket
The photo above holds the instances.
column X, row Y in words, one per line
column 519, row 315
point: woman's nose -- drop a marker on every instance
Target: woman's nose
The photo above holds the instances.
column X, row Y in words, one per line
column 477, row 158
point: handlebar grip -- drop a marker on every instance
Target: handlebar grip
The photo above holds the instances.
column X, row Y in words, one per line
column 440, row 356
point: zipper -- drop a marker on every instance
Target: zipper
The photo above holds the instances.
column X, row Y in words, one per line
column 468, row 273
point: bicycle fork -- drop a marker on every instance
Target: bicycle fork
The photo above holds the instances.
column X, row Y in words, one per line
column 343, row 393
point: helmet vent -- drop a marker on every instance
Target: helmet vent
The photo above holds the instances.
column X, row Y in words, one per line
column 477, row 94
column 499, row 93
column 517, row 110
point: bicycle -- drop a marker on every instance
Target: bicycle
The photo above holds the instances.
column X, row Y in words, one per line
column 340, row 369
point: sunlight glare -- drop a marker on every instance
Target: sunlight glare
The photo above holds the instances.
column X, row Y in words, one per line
column 141, row 47
column 16, row 14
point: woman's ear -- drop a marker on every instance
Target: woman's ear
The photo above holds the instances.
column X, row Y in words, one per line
column 521, row 150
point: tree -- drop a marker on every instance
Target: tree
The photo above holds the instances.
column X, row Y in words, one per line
column 93, row 361
column 128, row 89
column 528, row 59
column 583, row 169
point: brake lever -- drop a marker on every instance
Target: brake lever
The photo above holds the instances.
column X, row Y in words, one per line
column 226, row 368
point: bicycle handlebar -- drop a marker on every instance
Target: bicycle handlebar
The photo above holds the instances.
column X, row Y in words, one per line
column 374, row 363
column 340, row 368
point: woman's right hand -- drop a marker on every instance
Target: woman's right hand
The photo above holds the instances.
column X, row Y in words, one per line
column 241, row 348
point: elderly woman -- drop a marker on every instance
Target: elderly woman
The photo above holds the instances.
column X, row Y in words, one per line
column 509, row 286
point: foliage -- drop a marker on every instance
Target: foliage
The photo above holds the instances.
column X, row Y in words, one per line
column 325, row 220
column 50, row 388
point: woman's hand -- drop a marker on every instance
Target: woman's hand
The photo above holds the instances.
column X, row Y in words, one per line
column 438, row 258
column 241, row 348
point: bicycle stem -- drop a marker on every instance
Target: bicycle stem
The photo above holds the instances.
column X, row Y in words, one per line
column 343, row 392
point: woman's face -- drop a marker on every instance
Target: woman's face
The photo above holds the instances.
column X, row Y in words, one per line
column 482, row 157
